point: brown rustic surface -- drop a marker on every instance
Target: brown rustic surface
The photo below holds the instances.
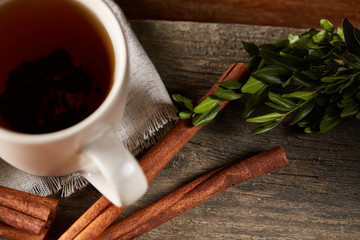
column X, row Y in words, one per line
column 286, row 13
column 316, row 197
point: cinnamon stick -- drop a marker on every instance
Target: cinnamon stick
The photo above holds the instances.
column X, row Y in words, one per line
column 102, row 213
column 30, row 204
column 17, row 234
column 24, row 215
column 195, row 193
column 21, row 221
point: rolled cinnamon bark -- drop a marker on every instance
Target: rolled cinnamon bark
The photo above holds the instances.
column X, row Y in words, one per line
column 24, row 215
column 102, row 213
column 195, row 193
column 17, row 234
column 33, row 205
column 21, row 221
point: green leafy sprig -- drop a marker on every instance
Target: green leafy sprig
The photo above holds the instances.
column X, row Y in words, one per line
column 311, row 79
column 207, row 109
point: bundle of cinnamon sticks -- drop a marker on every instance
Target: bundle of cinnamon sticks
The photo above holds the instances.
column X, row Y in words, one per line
column 24, row 215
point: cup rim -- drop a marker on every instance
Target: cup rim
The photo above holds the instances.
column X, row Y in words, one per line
column 107, row 17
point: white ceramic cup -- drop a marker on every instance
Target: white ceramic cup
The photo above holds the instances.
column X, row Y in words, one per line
column 90, row 147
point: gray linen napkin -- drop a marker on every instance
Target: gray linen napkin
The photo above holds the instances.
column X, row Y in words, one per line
column 149, row 113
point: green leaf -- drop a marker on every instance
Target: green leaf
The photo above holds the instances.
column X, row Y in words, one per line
column 254, row 101
column 357, row 35
column 206, row 117
column 254, row 63
column 301, row 53
column 286, row 50
column 304, row 95
column 304, row 123
column 185, row 114
column 349, row 36
column 293, row 38
column 351, row 64
column 309, row 34
column 350, row 90
column 346, row 102
column 266, row 127
column 327, row 25
column 315, row 46
column 340, row 32
column 186, row 101
column 310, row 130
column 281, row 44
column 180, row 98
column 329, row 124
column 333, row 87
column 331, row 112
column 315, row 55
column 189, row 105
column 288, row 62
column 330, row 79
column 297, row 42
column 336, row 41
column 273, row 105
column 287, row 82
column 313, row 74
column 266, row 118
column 273, row 74
column 207, row 104
column 251, row 48
column 283, row 102
column 321, row 37
column 227, row 94
column 347, row 84
column 269, row 47
column 320, row 55
column 350, row 111
column 252, row 85
column 301, row 41
column 232, row 83
column 302, row 112
column 304, row 80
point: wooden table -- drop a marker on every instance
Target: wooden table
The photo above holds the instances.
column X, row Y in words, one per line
column 285, row 13
column 316, row 197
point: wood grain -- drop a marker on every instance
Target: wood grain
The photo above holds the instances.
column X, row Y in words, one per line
column 294, row 13
column 316, row 197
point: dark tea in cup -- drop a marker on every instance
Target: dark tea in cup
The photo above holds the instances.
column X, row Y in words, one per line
column 56, row 64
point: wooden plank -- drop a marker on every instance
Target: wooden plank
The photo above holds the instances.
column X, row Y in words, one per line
column 316, row 197
column 294, row 13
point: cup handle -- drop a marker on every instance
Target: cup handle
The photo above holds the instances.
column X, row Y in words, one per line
column 113, row 170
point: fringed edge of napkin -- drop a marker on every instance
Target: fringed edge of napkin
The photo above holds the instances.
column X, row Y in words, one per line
column 157, row 125
column 67, row 185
